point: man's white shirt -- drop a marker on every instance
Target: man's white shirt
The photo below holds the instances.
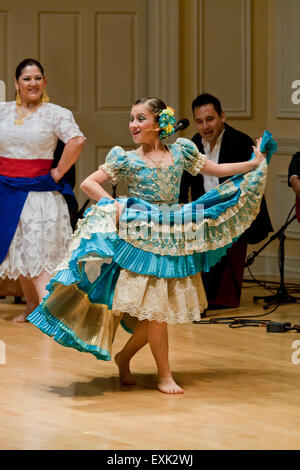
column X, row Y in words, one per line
column 211, row 182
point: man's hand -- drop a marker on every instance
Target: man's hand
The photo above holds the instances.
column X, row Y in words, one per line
column 119, row 208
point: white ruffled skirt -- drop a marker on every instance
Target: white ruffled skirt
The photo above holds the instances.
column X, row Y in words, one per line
column 175, row 300
column 42, row 236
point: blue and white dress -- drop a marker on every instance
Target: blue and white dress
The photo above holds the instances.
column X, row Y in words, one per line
column 149, row 264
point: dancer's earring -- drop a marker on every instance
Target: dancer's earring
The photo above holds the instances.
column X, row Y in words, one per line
column 18, row 98
column 45, row 97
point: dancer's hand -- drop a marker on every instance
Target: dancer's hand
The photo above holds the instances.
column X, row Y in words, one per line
column 259, row 156
column 119, row 208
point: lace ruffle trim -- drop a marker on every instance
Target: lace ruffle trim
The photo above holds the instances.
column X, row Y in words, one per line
column 198, row 164
column 214, row 233
column 211, row 233
column 30, row 272
column 110, row 171
column 152, row 315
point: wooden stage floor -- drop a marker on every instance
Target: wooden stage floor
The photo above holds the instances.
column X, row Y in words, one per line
column 242, row 389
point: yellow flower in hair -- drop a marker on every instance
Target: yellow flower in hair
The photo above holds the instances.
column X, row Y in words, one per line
column 168, row 129
column 166, row 122
column 170, row 111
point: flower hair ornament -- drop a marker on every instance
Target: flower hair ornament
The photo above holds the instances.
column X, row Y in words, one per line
column 166, row 122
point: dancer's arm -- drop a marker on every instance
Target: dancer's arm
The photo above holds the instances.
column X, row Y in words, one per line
column 92, row 186
column 228, row 169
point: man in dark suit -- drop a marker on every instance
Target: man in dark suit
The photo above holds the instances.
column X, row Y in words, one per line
column 294, row 180
column 294, row 174
column 222, row 144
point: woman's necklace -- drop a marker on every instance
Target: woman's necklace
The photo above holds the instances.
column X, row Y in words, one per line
column 21, row 115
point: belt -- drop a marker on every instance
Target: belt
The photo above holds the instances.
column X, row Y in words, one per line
column 24, row 167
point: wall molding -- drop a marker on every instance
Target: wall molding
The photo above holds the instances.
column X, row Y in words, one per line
column 245, row 109
column 102, row 68
column 69, row 36
column 163, row 50
column 5, row 45
column 287, row 146
column 198, row 33
column 267, row 265
column 285, row 43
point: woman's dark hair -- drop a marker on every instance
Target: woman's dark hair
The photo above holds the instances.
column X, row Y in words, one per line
column 25, row 63
column 155, row 105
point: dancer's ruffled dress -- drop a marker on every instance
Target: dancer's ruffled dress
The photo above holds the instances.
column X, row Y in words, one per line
column 149, row 264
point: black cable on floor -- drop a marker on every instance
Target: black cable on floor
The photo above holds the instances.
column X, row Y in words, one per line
column 240, row 321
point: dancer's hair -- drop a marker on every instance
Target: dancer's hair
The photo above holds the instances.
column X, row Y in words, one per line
column 155, row 105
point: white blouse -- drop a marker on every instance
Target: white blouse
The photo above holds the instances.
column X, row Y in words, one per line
column 37, row 136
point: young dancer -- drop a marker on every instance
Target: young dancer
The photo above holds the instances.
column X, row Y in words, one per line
column 156, row 250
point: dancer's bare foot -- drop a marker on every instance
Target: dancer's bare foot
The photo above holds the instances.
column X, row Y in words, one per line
column 168, row 385
column 124, row 372
column 22, row 318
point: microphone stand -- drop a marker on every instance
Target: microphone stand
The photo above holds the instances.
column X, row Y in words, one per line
column 281, row 296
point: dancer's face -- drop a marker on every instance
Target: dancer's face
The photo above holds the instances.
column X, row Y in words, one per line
column 142, row 124
column 209, row 123
column 31, row 84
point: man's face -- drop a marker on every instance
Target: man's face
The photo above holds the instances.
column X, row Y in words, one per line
column 209, row 123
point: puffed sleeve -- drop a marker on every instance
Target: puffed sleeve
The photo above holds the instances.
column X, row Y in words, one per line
column 116, row 164
column 193, row 160
column 64, row 125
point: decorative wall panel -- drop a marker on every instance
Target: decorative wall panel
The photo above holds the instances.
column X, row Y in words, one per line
column 4, row 47
column 288, row 64
column 58, row 38
column 223, row 53
column 116, row 60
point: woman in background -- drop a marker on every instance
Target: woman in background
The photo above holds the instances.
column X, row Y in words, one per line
column 35, row 223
